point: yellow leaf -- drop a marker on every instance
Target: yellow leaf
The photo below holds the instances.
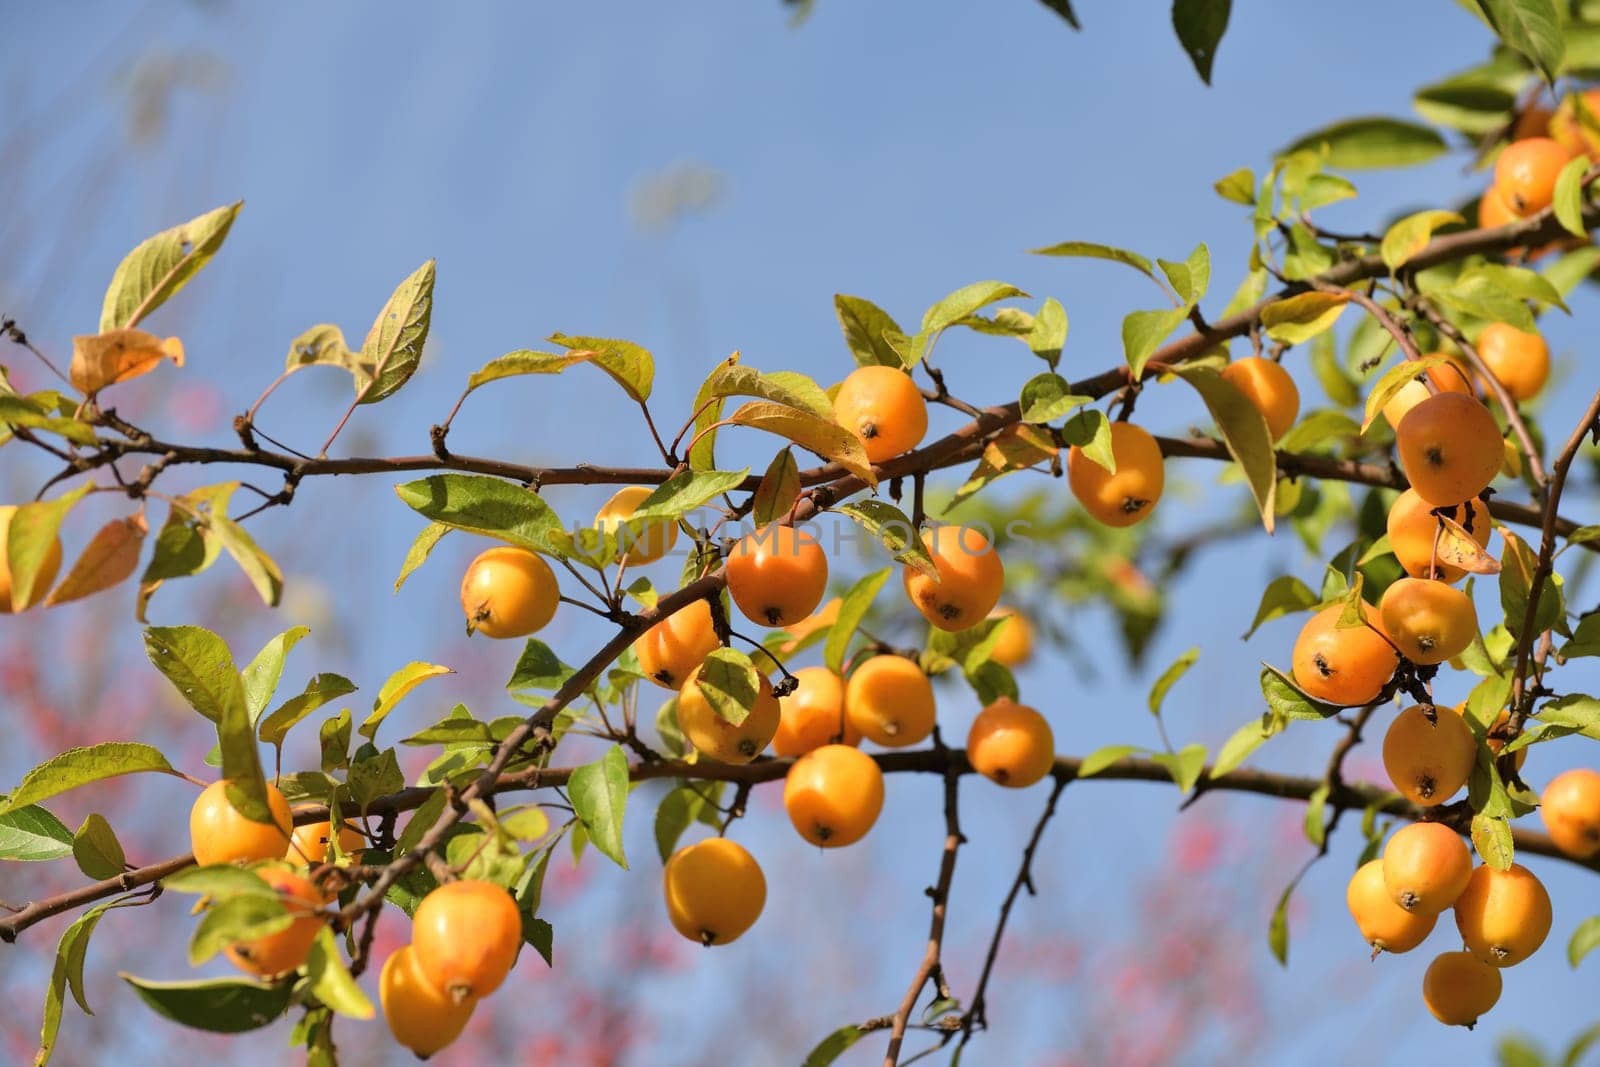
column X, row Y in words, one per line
column 109, row 558
column 103, row 359
column 1299, row 318
column 1455, row 547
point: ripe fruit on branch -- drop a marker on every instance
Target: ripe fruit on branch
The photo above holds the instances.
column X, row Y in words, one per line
column 1570, row 808
column 777, row 575
column 1414, row 530
column 1459, row 988
column 970, row 579
column 219, row 834
column 715, row 891
column 1429, row 761
column 421, row 1016
column 1526, row 173
column 1129, row 495
column 508, row 592
column 309, row 842
column 287, row 949
column 671, row 649
column 813, row 715
column 1384, row 925
column 1428, row 621
column 466, row 936
column 1269, row 387
column 1013, row 647
column 1520, row 361
column 1011, row 744
column 716, row 737
column 890, row 701
column 833, row 795
column 1343, row 666
column 1446, row 378
column 1449, row 448
column 47, row 570
column 1426, row 866
column 1504, row 916
column 644, row 546
column 883, row 407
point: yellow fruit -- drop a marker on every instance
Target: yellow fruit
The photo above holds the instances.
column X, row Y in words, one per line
column 671, row 649
column 1011, row 744
column 833, row 795
column 1521, row 361
column 1429, row 761
column 1446, row 378
column 813, row 715
column 1347, row 667
column 641, row 546
column 1503, row 916
column 421, row 1017
column 1428, row 621
column 1413, row 527
column 1570, row 808
column 1129, row 495
column 889, row 700
column 309, row 842
column 466, row 935
column 219, row 834
column 47, row 572
column 1449, row 448
column 1426, row 866
column 970, row 579
column 716, row 737
column 1526, row 173
column 287, row 949
column 1267, row 386
column 715, row 891
column 508, row 592
column 1014, row 645
column 883, row 407
column 1458, row 988
column 1384, row 925
column 777, row 575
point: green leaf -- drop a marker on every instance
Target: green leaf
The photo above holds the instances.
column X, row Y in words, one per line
column 393, row 347
column 1575, row 710
column 1411, row 235
column 730, row 683
column 778, row 491
column 483, row 505
column 199, row 665
column 16, row 411
column 1395, row 379
column 1278, row 927
column 1569, row 196
column 834, row 1045
column 864, row 324
column 1238, row 748
column 219, row 881
column 1143, row 332
column 1284, row 595
column 1373, row 143
column 396, row 689
column 1284, row 699
column 538, row 668
column 541, row 935
column 1567, row 271
column 813, row 433
column 524, row 361
column 1049, row 332
column 1584, row 940
column 1316, row 813
column 1185, row 765
column 1244, row 434
column 1191, row 278
column 1169, row 677
column 1239, row 187
column 32, row 834
column 417, row 554
column 1531, row 27
column 1484, row 296
column 31, row 539
column 953, row 308
column 220, row 1005
column 893, row 531
column 67, row 973
column 731, row 378
column 852, row 609
column 1200, row 25
column 1101, row 758
column 373, row 777
column 1491, row 836
column 1089, row 250
column 260, row 678
column 1296, row 319
column 235, row 919
column 1518, row 565
column 685, row 492
column 329, row 980
column 678, row 811
column 80, row 766
column 321, row 689
column 259, row 567
column 599, row 795
column 421, row 821
column 1047, row 397
column 629, row 365
column 97, row 850
column 161, row 265
column 1318, row 428
column 324, row 346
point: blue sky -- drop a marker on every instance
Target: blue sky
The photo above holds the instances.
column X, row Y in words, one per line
column 896, row 150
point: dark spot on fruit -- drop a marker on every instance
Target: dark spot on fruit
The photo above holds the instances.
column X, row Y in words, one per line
column 1322, row 665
